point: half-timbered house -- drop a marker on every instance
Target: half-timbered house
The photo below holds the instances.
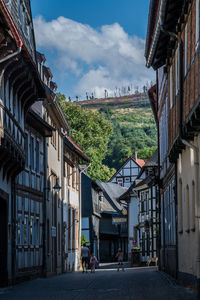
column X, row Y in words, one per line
column 128, row 172
column 30, row 190
column 173, row 50
column 148, row 215
column 20, row 87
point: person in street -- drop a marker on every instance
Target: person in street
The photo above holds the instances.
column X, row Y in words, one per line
column 120, row 259
column 85, row 254
column 93, row 262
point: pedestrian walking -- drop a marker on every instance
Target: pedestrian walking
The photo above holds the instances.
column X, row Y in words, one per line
column 120, row 259
column 85, row 254
column 93, row 262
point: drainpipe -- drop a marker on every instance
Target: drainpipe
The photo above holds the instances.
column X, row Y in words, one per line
column 18, row 51
column 45, row 209
column 159, row 196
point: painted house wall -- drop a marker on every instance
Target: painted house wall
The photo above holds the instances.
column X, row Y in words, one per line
column 72, row 213
column 54, row 207
column 133, row 210
column 188, row 206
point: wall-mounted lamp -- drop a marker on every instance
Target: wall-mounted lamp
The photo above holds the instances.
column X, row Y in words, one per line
column 57, row 187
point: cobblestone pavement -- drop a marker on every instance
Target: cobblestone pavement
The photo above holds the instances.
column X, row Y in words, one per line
column 106, row 283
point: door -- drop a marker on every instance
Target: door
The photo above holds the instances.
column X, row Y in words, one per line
column 3, row 242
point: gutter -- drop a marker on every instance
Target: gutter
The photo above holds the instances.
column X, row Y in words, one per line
column 157, row 33
column 14, row 31
column 18, row 51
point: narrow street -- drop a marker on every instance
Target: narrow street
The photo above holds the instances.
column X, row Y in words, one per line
column 106, row 283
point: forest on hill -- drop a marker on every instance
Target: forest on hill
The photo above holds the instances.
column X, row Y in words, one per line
column 109, row 134
column 134, row 130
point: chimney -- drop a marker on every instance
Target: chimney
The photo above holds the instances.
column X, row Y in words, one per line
column 135, row 155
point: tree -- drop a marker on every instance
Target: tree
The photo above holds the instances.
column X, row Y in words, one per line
column 92, row 133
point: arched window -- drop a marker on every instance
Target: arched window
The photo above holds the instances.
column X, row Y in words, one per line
column 193, row 207
column 180, row 206
column 187, row 202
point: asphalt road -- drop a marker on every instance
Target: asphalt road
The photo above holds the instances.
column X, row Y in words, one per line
column 106, row 283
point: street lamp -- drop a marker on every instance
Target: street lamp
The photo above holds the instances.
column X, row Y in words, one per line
column 57, row 187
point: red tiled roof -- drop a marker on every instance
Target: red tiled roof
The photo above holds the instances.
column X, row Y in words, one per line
column 140, row 162
column 77, row 148
column 74, row 143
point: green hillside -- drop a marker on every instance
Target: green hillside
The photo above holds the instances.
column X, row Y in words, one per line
column 110, row 132
column 134, row 130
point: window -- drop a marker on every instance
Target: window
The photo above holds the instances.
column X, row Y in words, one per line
column 143, row 243
column 58, row 237
column 177, row 74
column 193, row 207
column 180, row 207
column 197, row 24
column 120, row 181
column 37, row 156
column 142, row 202
column 148, row 244
column 77, row 179
column 74, row 177
column 37, row 231
column 68, row 175
column 185, row 47
column 26, row 149
column 187, row 209
column 171, row 86
column 127, row 179
column 73, row 228
column 32, row 154
column 19, row 231
column 25, row 230
column 69, row 228
column 31, row 231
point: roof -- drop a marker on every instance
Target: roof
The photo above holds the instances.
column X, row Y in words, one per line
column 113, row 191
column 11, row 23
column 152, row 161
column 163, row 16
column 36, row 122
column 52, row 98
column 40, row 56
column 145, row 183
column 76, row 148
column 48, row 71
column 138, row 161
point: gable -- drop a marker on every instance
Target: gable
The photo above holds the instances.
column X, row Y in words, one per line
column 129, row 168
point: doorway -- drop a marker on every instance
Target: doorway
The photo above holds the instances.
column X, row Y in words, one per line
column 3, row 242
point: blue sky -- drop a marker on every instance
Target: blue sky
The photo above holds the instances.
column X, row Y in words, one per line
column 93, row 45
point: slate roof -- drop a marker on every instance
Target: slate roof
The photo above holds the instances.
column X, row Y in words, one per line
column 153, row 161
column 112, row 192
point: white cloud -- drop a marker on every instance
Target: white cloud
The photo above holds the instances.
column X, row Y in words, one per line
column 108, row 57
